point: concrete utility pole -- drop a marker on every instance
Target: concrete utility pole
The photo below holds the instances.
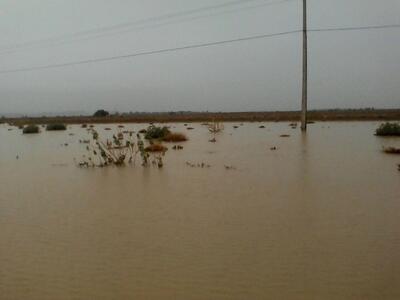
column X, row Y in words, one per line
column 305, row 84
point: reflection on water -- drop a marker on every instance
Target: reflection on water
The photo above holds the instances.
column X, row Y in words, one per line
column 319, row 218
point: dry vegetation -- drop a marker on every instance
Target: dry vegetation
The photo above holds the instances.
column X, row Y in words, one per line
column 156, row 148
column 175, row 137
column 118, row 151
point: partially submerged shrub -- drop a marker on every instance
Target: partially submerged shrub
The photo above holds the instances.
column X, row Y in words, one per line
column 156, row 148
column 391, row 150
column 154, row 132
column 56, row 126
column 175, row 137
column 118, row 151
column 30, row 129
column 388, row 129
column 215, row 127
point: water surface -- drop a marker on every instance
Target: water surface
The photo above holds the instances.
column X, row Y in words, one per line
column 319, row 218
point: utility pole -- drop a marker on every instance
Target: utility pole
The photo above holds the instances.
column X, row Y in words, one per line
column 305, row 84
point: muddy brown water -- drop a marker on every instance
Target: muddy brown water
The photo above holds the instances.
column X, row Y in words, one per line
column 318, row 218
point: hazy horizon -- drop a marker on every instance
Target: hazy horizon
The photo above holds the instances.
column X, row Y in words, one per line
column 347, row 69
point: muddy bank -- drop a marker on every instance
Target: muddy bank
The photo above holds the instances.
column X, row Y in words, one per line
column 320, row 115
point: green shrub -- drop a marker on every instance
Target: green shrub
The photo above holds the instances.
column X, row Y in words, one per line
column 154, row 132
column 388, row 129
column 53, row 127
column 30, row 129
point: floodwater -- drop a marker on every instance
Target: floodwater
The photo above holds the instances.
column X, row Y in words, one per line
column 319, row 218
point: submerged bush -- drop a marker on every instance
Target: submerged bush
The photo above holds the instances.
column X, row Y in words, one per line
column 175, row 137
column 391, row 150
column 388, row 129
column 119, row 150
column 154, row 132
column 30, row 129
column 156, row 148
column 53, row 127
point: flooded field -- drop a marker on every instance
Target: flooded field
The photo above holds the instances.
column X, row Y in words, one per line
column 317, row 218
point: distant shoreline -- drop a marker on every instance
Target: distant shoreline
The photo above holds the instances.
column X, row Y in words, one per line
column 290, row 116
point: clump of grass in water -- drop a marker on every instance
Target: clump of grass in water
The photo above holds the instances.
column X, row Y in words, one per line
column 388, row 129
column 30, row 129
column 56, row 127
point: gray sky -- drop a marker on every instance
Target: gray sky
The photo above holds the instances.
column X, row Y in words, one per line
column 347, row 69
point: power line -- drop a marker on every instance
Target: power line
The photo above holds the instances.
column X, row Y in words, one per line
column 356, row 28
column 128, row 26
column 106, row 34
column 194, row 46
column 110, row 58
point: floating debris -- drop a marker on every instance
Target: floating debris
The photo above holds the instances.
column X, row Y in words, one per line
column 107, row 128
column 273, row 148
column 262, row 126
column 213, row 140
column 285, row 135
column 190, row 128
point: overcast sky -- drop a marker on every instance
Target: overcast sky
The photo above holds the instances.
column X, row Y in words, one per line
column 346, row 69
